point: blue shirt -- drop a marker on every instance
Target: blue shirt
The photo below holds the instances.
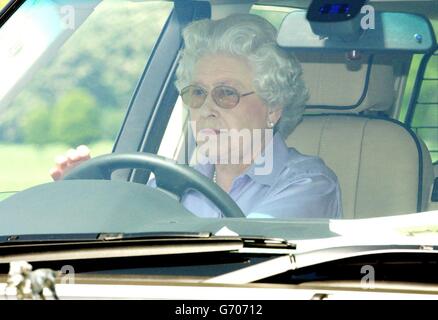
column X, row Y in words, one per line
column 298, row 186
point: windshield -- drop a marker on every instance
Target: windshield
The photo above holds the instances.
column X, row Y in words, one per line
column 276, row 118
column 69, row 71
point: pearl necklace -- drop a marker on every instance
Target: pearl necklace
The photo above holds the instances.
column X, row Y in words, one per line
column 214, row 177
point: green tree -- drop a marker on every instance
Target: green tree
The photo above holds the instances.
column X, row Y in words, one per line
column 100, row 57
column 75, row 119
column 35, row 126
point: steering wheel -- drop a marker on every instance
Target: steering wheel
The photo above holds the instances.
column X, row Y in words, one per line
column 169, row 175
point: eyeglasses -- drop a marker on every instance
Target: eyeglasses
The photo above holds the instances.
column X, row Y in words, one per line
column 224, row 96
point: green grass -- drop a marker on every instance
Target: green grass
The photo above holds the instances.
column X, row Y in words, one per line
column 23, row 166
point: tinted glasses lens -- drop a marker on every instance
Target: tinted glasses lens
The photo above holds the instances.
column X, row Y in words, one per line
column 225, row 97
column 193, row 96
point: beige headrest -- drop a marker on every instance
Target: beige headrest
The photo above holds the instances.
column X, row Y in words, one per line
column 344, row 86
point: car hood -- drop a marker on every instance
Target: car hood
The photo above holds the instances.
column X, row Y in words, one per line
column 95, row 206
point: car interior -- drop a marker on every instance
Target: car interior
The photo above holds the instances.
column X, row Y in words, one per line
column 357, row 81
column 383, row 166
column 356, row 90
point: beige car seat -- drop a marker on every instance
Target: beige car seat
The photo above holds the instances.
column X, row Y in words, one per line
column 383, row 167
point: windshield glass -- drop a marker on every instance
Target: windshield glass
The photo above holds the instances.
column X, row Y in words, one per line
column 69, row 71
column 274, row 117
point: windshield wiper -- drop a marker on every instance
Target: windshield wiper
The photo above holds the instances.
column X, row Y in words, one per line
column 52, row 247
column 93, row 237
column 295, row 261
column 33, row 248
column 249, row 241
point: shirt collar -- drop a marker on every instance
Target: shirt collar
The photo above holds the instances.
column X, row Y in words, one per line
column 265, row 169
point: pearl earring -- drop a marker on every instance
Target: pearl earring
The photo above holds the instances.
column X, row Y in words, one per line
column 270, row 124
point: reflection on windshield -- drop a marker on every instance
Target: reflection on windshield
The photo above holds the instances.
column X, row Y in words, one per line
column 247, row 99
column 6, row 194
column 27, row 35
column 75, row 88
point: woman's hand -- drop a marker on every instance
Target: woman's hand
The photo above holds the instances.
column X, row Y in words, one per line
column 69, row 160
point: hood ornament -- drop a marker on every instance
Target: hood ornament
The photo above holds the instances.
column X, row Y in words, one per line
column 30, row 284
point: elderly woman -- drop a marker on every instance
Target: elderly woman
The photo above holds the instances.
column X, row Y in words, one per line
column 234, row 78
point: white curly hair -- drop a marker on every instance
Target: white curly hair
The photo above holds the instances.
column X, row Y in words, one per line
column 278, row 73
